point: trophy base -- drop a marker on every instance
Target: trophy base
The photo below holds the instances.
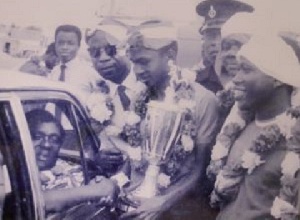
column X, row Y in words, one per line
column 148, row 188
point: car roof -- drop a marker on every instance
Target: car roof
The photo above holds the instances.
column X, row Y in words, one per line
column 15, row 80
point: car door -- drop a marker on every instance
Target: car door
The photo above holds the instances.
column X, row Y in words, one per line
column 19, row 197
column 78, row 150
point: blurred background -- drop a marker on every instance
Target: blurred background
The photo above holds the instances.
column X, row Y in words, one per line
column 27, row 26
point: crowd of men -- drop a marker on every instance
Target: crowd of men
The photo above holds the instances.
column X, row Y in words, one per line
column 246, row 159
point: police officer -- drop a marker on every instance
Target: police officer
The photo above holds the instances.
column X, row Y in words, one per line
column 215, row 13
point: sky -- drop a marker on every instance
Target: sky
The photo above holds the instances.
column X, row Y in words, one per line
column 50, row 13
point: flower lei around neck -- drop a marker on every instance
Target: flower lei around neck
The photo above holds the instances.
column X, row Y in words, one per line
column 100, row 107
column 283, row 133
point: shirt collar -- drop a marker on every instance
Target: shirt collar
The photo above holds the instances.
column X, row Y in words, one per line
column 71, row 62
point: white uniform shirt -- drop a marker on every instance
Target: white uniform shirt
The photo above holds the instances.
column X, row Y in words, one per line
column 79, row 74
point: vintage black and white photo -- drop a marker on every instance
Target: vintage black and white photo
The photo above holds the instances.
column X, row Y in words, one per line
column 148, row 109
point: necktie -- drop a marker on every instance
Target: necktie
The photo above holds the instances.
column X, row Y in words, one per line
column 123, row 97
column 62, row 72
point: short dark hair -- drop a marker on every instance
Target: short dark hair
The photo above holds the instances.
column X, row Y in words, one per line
column 69, row 28
column 38, row 116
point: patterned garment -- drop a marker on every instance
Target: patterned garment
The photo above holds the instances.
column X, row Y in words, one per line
column 62, row 176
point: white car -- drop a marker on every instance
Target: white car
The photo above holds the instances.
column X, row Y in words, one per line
column 21, row 195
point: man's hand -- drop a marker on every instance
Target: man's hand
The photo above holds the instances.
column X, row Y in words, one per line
column 149, row 209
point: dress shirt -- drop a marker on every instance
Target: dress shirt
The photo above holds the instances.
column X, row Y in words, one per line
column 78, row 73
column 132, row 88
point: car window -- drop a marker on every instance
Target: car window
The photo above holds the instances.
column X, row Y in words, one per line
column 77, row 133
column 64, row 144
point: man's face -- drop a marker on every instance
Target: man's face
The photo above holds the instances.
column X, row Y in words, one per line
column 150, row 66
column 104, row 58
column 66, row 45
column 228, row 54
column 211, row 45
column 47, row 141
column 252, row 87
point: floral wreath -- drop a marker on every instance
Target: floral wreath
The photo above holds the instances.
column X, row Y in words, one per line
column 227, row 179
column 100, row 107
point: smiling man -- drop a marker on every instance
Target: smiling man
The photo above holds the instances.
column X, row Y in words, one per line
column 62, row 181
column 263, row 157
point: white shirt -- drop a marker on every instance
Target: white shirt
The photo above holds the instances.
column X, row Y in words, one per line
column 79, row 74
column 132, row 89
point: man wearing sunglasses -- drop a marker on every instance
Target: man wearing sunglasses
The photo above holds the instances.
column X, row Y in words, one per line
column 105, row 49
column 104, row 56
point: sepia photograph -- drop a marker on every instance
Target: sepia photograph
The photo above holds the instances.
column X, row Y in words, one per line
column 150, row 109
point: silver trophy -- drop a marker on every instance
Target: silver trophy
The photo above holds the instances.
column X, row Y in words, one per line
column 162, row 131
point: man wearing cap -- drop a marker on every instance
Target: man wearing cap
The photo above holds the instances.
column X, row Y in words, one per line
column 259, row 159
column 153, row 50
column 215, row 13
column 105, row 49
column 103, row 45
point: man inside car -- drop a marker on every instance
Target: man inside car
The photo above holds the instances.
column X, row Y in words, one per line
column 63, row 181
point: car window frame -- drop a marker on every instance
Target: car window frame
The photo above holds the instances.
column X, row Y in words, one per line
column 15, row 97
column 25, row 142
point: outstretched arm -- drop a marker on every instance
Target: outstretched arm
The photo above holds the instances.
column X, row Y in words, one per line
column 57, row 200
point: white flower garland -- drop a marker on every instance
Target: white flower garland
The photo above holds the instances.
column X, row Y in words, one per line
column 97, row 106
column 221, row 148
column 250, row 160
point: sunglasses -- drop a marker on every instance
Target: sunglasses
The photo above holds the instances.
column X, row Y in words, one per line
column 110, row 50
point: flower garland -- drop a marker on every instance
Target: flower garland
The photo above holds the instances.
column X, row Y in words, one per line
column 226, row 99
column 232, row 128
column 100, row 107
column 285, row 129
